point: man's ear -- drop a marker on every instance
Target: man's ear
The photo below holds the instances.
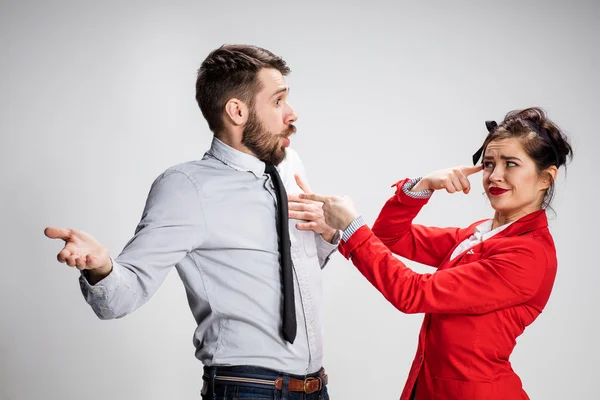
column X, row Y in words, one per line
column 236, row 111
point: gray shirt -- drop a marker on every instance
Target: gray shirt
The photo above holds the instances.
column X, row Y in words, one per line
column 214, row 221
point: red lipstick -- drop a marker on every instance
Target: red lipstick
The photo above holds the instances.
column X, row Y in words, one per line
column 496, row 191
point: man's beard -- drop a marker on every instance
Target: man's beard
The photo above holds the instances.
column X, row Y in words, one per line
column 266, row 146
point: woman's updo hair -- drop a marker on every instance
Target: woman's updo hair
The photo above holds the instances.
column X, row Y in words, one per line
column 542, row 140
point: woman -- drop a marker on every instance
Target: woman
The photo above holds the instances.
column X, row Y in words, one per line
column 494, row 277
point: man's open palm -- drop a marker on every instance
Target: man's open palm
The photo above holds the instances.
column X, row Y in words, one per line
column 81, row 250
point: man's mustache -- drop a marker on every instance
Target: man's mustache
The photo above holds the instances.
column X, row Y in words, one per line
column 291, row 129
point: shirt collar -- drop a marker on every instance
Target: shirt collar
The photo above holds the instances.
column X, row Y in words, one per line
column 484, row 231
column 235, row 158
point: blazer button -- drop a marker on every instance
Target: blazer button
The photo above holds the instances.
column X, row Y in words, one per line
column 421, row 358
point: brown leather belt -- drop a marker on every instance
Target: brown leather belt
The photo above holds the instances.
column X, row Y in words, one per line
column 308, row 385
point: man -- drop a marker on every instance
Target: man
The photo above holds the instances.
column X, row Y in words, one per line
column 253, row 277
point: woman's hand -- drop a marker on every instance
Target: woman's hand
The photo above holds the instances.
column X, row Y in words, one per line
column 309, row 211
column 452, row 179
column 339, row 211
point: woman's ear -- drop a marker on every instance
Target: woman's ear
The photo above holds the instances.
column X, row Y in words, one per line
column 549, row 176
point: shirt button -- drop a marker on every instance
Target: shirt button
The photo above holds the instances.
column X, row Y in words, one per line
column 421, row 358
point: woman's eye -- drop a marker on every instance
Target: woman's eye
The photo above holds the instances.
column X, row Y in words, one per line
column 488, row 165
column 510, row 164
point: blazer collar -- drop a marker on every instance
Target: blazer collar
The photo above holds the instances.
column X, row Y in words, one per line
column 530, row 222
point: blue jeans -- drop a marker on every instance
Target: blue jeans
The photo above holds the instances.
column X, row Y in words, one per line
column 215, row 389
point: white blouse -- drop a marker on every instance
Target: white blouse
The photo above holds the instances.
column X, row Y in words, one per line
column 482, row 232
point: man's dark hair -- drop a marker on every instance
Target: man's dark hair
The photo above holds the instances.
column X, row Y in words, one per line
column 232, row 71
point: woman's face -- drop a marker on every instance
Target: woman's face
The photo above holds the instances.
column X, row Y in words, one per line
column 511, row 180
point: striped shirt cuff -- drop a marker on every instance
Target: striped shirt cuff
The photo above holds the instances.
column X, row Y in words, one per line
column 411, row 183
column 353, row 227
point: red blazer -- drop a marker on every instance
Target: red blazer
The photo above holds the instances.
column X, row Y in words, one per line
column 475, row 305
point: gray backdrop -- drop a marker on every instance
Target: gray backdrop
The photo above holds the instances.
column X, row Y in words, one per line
column 97, row 99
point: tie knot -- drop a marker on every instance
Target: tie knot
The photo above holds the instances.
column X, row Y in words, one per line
column 270, row 169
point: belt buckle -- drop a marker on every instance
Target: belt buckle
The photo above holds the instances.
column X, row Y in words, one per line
column 308, row 382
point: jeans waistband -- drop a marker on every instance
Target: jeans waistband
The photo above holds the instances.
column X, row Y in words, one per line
column 249, row 371
column 263, row 377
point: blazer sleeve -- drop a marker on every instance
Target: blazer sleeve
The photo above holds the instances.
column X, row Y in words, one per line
column 510, row 275
column 394, row 227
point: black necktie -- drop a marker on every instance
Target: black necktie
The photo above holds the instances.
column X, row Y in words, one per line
column 285, row 256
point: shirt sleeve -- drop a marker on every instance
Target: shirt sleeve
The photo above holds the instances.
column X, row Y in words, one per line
column 353, row 227
column 325, row 249
column 411, row 183
column 171, row 226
